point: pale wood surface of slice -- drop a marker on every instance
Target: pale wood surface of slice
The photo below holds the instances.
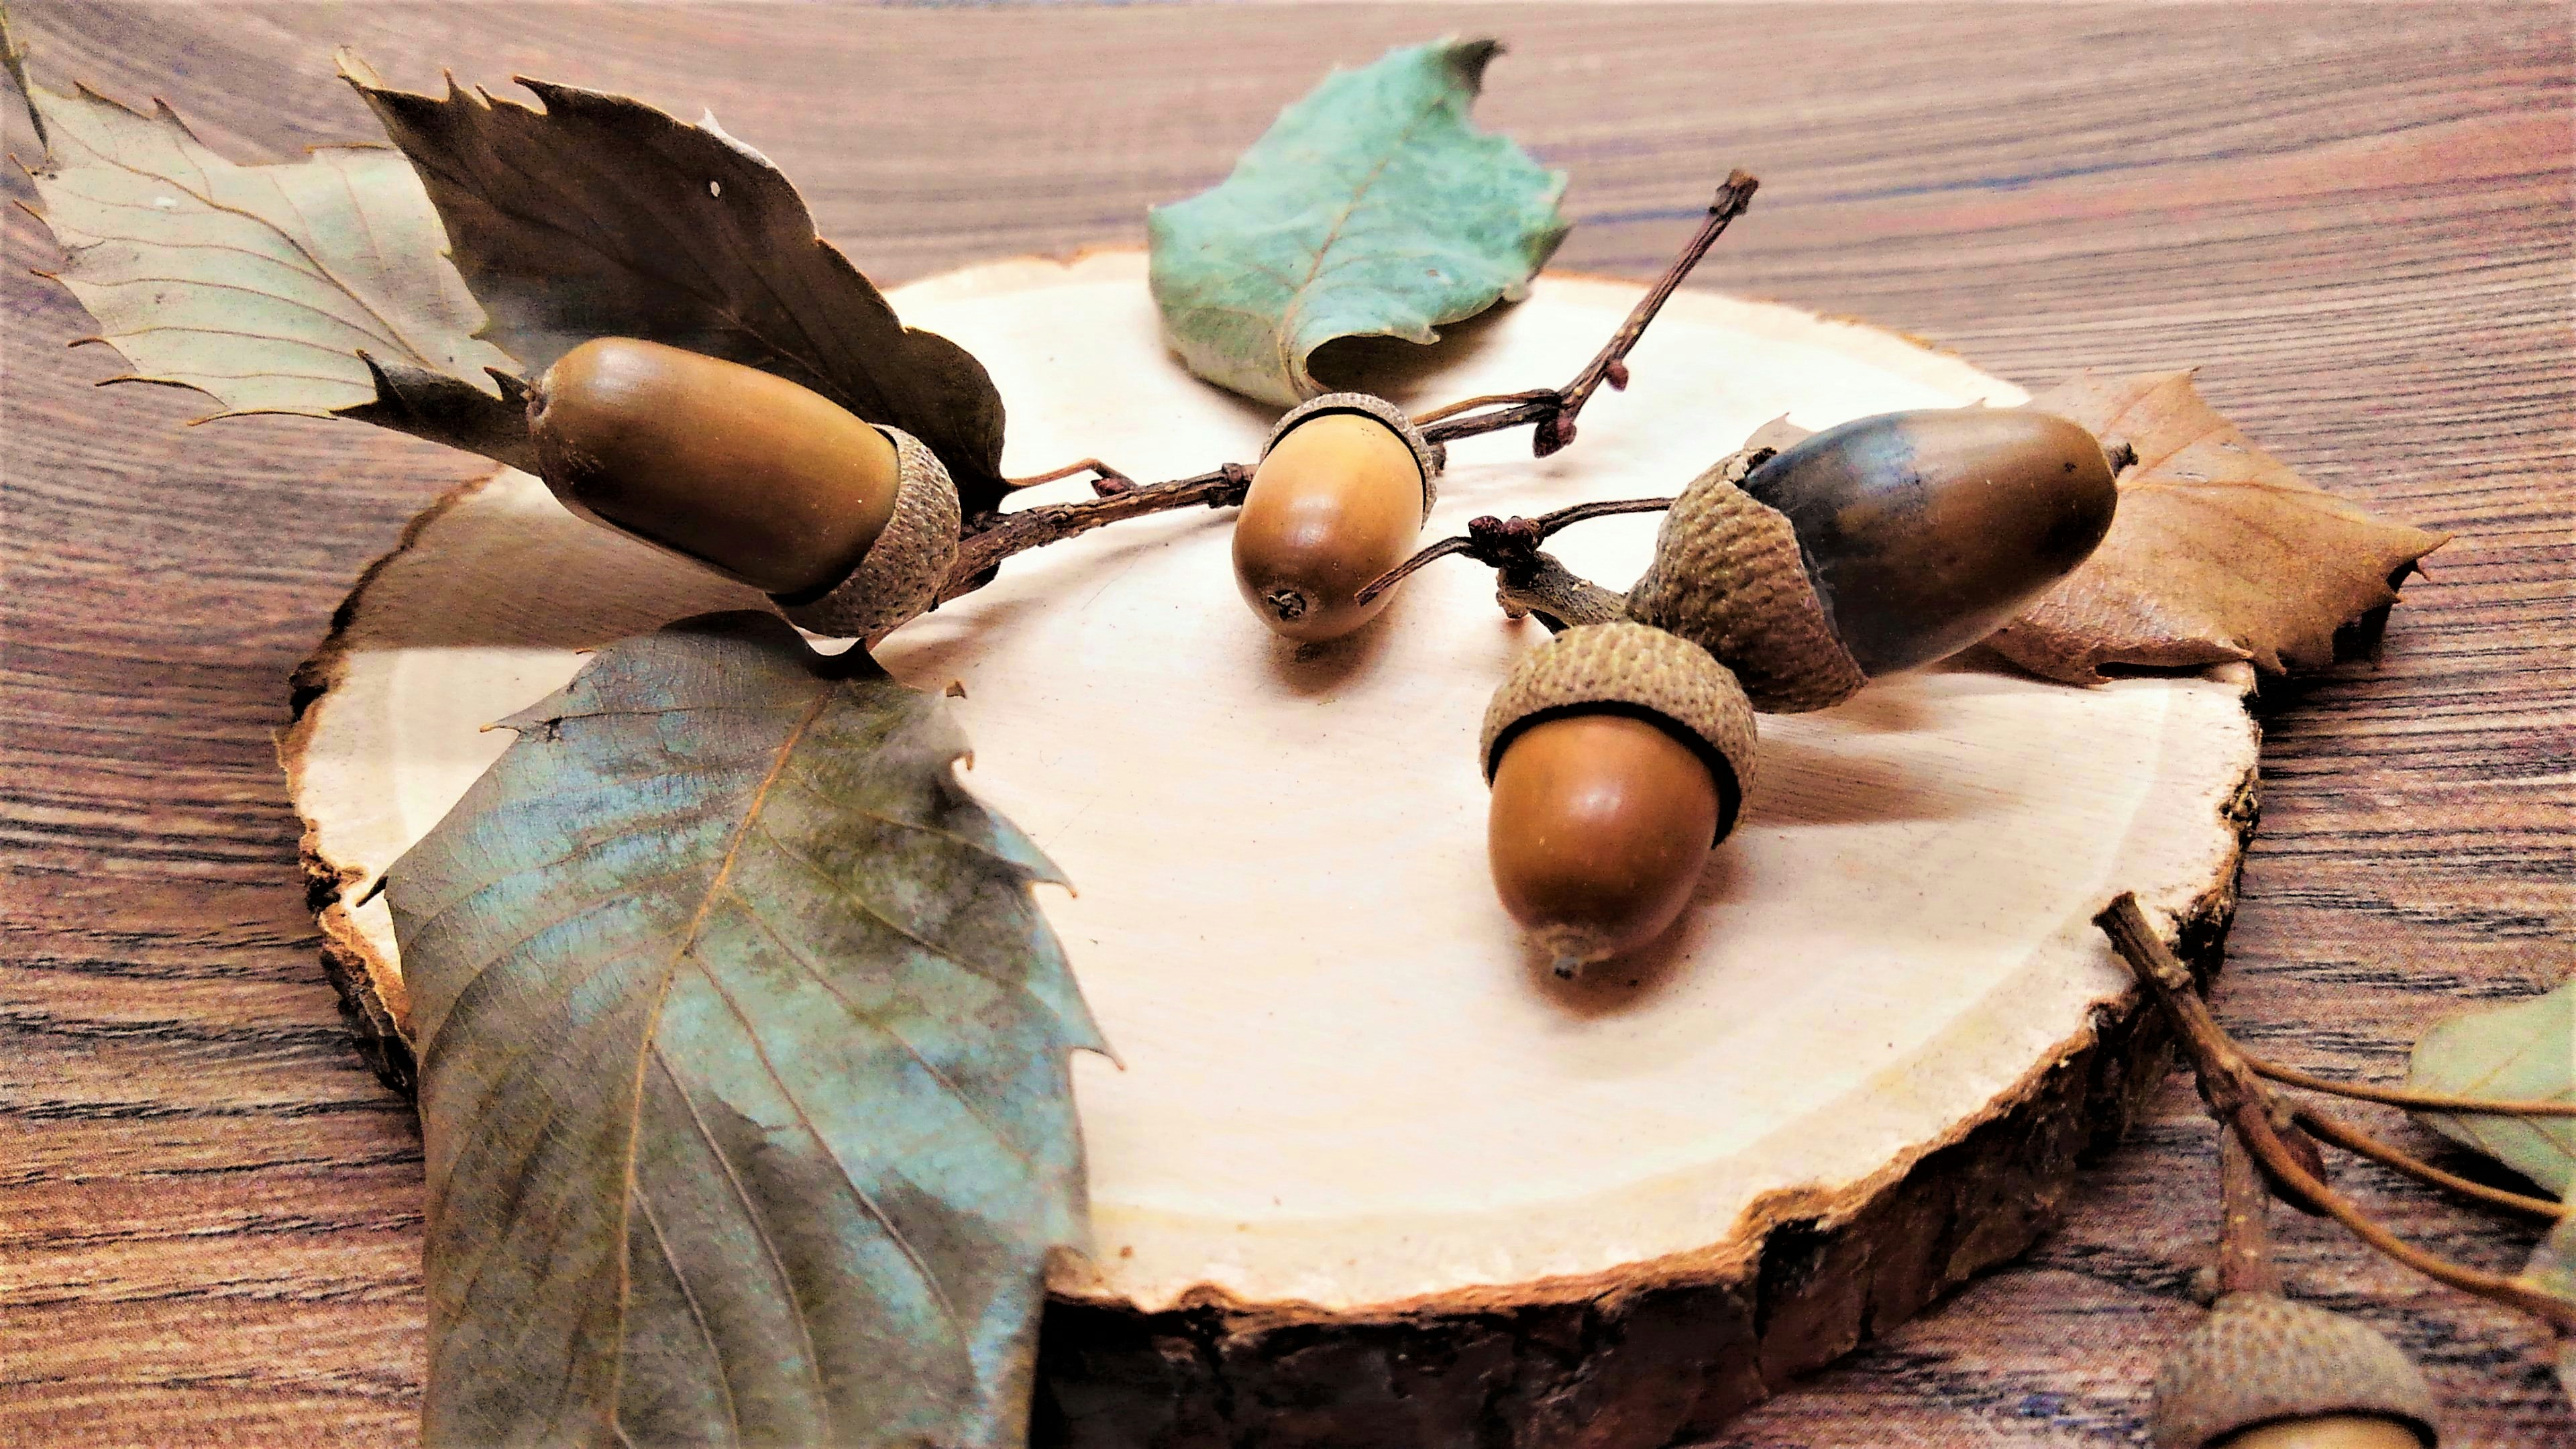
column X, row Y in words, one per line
column 1345, row 1094
column 2356, row 219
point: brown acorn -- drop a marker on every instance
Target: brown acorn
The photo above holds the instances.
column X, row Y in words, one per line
column 849, row 527
column 1618, row 755
column 2262, row 1372
column 1875, row 546
column 1344, row 485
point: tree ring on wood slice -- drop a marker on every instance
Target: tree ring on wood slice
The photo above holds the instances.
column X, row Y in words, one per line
column 1369, row 1175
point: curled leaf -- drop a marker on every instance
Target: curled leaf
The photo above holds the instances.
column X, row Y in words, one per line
column 2552, row 1268
column 1372, row 207
column 743, row 1065
column 2219, row 552
column 601, row 216
column 2521, row 1051
column 272, row 289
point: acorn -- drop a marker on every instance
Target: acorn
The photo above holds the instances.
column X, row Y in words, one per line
column 2262, row 1372
column 1344, row 485
column 849, row 527
column 1875, row 546
column 1619, row 755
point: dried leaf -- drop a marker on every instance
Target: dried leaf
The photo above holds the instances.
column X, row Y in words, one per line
column 2219, row 551
column 273, row 289
column 2553, row 1263
column 743, row 1046
column 2521, row 1051
column 2553, row 1270
column 600, row 216
column 1371, row 208
column 13, row 59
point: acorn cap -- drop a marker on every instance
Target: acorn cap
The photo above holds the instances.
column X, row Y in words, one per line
column 1728, row 577
column 1624, row 668
column 900, row 574
column 2258, row 1358
column 1427, row 455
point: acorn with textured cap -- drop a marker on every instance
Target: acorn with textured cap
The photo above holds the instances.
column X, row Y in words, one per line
column 1875, row 546
column 1344, row 485
column 1618, row 755
column 2262, row 1372
column 849, row 527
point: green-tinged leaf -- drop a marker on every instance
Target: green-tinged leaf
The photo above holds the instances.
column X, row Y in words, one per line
column 267, row 287
column 2553, row 1270
column 743, row 1065
column 2522, row 1051
column 2553, row 1264
column 600, row 216
column 1372, row 208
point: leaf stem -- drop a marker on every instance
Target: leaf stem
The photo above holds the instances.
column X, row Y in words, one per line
column 994, row 536
column 2396, row 1159
column 1109, row 481
column 2287, row 1155
column 2405, row 1097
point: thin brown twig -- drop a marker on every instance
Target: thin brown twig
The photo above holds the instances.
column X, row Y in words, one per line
column 1484, row 400
column 2404, row 1097
column 1106, row 474
column 994, row 537
column 2244, row 1230
column 2396, row 1159
column 1458, row 543
column 1611, row 365
column 2240, row 1099
column 2227, row 1084
column 979, row 553
column 1500, row 543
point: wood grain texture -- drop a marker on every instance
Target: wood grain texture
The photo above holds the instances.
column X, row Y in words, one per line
column 2357, row 218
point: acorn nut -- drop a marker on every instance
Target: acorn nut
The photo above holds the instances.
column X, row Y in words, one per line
column 2262, row 1372
column 848, row 526
column 1875, row 546
column 1618, row 756
column 1343, row 488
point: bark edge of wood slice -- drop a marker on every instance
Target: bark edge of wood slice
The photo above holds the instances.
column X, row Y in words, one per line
column 1370, row 1176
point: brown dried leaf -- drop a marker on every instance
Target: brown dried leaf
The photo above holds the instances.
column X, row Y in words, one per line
column 598, row 216
column 2219, row 552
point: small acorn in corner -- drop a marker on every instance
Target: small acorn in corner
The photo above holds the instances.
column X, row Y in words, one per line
column 850, row 528
column 1618, row 755
column 1876, row 546
column 2262, row 1372
column 1344, row 485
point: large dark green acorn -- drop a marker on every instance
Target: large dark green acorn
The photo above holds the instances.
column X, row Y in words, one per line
column 1875, row 546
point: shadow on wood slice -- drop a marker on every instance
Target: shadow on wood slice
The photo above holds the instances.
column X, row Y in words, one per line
column 1370, row 1176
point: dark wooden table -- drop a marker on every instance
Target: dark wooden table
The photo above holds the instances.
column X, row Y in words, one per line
column 2356, row 218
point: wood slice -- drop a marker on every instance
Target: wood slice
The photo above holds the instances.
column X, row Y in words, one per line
column 1368, row 1174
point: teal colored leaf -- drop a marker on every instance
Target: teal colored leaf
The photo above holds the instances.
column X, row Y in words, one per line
column 2521, row 1051
column 601, row 216
column 1372, row 208
column 743, row 1065
column 293, row 288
